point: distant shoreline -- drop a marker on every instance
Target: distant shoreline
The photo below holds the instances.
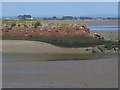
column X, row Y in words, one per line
column 89, row 22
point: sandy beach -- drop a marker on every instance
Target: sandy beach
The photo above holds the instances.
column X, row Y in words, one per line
column 34, row 47
column 99, row 73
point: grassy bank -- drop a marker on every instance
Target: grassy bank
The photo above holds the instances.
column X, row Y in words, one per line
column 111, row 35
column 63, row 41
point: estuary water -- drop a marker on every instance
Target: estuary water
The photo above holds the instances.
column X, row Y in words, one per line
column 104, row 27
column 53, row 57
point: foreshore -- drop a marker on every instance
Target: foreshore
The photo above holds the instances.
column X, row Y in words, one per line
column 18, row 73
column 35, row 72
column 35, row 47
column 99, row 73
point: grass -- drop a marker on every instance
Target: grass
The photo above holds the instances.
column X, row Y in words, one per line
column 111, row 35
column 63, row 41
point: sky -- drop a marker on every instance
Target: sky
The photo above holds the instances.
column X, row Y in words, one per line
column 48, row 9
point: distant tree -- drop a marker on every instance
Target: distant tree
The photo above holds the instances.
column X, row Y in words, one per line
column 67, row 17
column 24, row 16
column 54, row 17
column 45, row 18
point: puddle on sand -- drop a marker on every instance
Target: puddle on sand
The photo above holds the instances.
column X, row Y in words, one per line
column 53, row 57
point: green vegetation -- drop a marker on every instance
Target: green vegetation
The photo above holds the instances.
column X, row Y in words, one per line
column 64, row 41
column 112, row 36
column 72, row 42
column 111, row 39
column 37, row 24
column 79, row 18
column 13, row 24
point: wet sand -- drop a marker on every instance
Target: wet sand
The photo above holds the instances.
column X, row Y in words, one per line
column 34, row 47
column 99, row 73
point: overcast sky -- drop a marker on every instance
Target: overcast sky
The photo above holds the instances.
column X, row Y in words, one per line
column 41, row 9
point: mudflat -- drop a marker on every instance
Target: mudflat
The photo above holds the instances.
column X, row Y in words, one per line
column 100, row 73
column 97, row 73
